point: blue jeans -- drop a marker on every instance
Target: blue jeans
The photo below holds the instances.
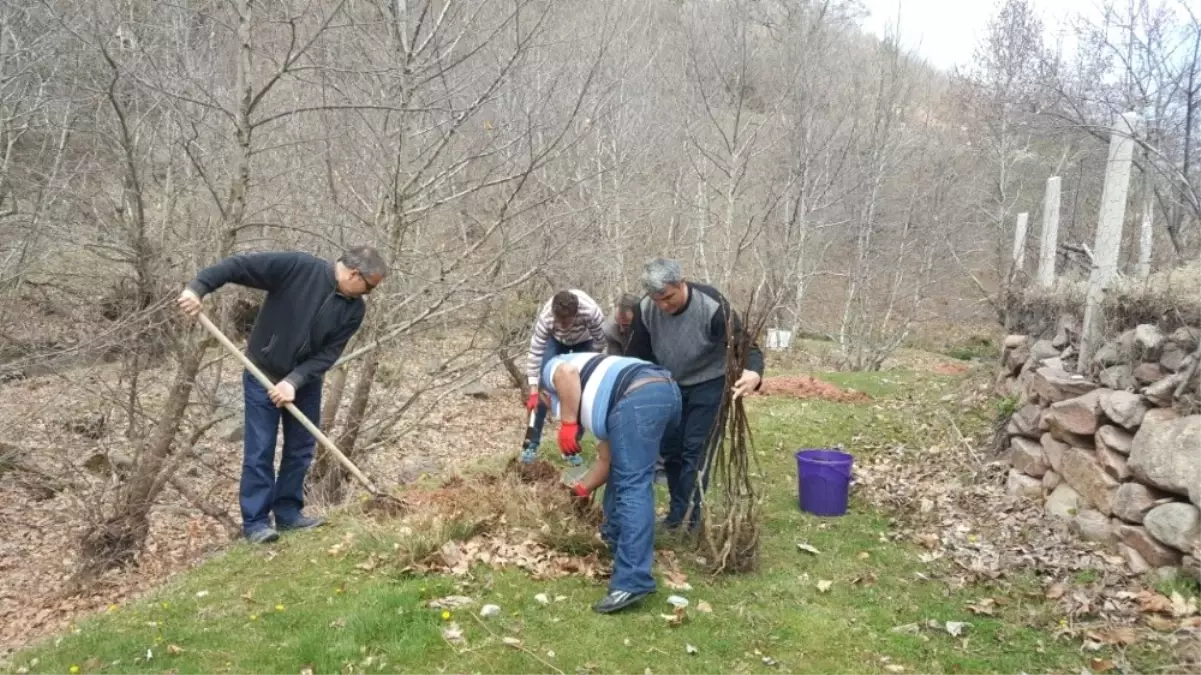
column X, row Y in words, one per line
column 553, row 349
column 684, row 449
column 261, row 492
column 636, row 426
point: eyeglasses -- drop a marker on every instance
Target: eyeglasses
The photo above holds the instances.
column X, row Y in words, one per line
column 367, row 284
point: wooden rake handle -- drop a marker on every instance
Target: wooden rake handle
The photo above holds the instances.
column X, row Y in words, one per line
column 268, row 384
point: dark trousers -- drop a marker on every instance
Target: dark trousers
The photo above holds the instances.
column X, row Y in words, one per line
column 636, row 428
column 262, row 492
column 553, row 349
column 683, row 448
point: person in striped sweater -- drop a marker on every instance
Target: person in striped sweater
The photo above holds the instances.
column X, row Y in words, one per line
column 628, row 405
column 569, row 322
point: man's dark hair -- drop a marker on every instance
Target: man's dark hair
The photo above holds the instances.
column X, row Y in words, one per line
column 628, row 302
column 565, row 305
column 366, row 260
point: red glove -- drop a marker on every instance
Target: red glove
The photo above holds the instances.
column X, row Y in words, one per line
column 580, row 491
column 568, row 443
column 532, row 401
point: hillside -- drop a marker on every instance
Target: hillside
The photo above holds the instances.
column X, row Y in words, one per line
column 934, row 569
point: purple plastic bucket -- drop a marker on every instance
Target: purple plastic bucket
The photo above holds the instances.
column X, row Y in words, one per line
column 824, row 481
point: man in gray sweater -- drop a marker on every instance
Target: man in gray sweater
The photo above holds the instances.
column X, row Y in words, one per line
column 682, row 326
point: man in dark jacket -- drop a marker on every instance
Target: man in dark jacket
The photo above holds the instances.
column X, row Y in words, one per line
column 312, row 309
column 682, row 326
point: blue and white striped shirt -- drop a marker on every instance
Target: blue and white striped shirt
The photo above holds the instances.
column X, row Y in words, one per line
column 603, row 378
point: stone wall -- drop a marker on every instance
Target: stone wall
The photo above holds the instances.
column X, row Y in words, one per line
column 1117, row 456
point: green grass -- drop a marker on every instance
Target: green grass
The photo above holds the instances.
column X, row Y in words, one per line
column 293, row 606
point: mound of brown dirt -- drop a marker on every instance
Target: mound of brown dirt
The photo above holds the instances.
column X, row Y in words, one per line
column 804, row 386
column 529, row 494
column 538, row 471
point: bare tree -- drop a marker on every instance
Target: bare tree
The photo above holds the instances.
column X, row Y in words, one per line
column 1001, row 93
column 819, row 136
column 454, row 73
column 1142, row 56
column 898, row 224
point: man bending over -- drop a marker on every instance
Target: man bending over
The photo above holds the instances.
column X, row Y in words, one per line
column 627, row 404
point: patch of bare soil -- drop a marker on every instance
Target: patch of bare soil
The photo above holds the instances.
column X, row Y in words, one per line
column 72, row 469
column 951, row 368
column 538, row 471
column 805, row 386
column 952, row 502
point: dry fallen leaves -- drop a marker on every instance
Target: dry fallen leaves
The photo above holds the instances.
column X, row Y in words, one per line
column 824, row 585
column 983, row 607
column 678, row 616
column 1151, row 602
column 498, row 552
column 928, row 540
column 450, row 602
column 1160, row 623
column 704, row 607
column 676, row 581
column 808, row 549
column 1177, row 605
column 1116, row 635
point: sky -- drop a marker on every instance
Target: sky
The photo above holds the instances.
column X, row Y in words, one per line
column 945, row 32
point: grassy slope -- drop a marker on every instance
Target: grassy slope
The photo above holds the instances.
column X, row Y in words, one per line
column 294, row 607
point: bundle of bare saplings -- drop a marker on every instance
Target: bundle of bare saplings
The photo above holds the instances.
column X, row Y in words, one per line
column 730, row 514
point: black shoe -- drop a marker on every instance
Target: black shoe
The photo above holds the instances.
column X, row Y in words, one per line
column 263, row 535
column 302, row 523
column 617, row 600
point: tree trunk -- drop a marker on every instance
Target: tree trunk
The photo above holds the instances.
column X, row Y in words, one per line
column 328, row 481
column 515, row 375
column 358, row 404
column 116, row 540
column 333, row 399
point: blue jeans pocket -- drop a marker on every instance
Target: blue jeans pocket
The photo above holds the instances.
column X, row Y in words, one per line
column 650, row 420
